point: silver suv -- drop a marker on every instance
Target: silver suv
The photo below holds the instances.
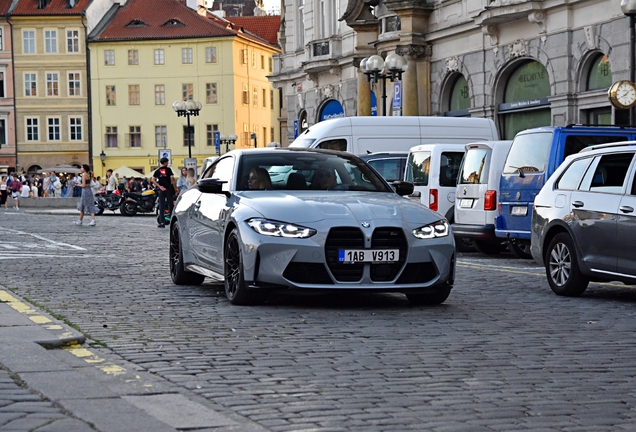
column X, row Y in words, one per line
column 584, row 219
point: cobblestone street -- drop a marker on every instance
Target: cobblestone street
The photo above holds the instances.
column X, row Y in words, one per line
column 502, row 353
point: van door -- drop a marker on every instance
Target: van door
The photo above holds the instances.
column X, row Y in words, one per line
column 449, row 163
column 418, row 167
column 339, row 144
column 626, row 232
column 472, row 184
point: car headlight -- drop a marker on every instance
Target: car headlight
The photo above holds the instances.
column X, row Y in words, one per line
column 436, row 229
column 280, row 229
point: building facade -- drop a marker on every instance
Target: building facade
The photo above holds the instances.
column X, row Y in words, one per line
column 523, row 63
column 144, row 59
column 8, row 160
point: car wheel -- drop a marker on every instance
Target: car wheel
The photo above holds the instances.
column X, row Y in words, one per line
column 429, row 299
column 236, row 289
column 489, row 248
column 128, row 209
column 562, row 267
column 178, row 273
column 463, row 244
column 520, row 249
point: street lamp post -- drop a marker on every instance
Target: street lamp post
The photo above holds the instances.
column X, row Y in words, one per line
column 186, row 109
column 376, row 68
column 629, row 8
column 227, row 140
column 102, row 157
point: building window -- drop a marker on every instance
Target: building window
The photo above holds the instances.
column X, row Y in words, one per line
column 3, row 132
column 187, row 91
column 28, row 41
column 109, row 57
column 54, row 128
column 253, row 60
column 209, row 134
column 301, row 25
column 134, row 136
column 32, row 129
column 188, row 137
column 161, row 136
column 271, row 64
column 1, row 45
column 211, row 93
column 52, row 84
column 255, row 96
column 246, row 135
column 244, row 56
column 1, row 84
column 186, row 55
column 246, row 94
column 111, row 137
column 133, row 94
column 111, row 96
column 75, row 128
column 264, row 98
column 160, row 57
column 72, row 41
column 133, row 57
column 271, row 134
column 271, row 99
column 74, row 86
column 50, row 41
column 30, row 84
column 160, row 94
column 459, row 98
column 263, row 62
column 600, row 74
column 210, row 54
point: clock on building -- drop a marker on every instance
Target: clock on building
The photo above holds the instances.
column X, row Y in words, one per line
column 622, row 94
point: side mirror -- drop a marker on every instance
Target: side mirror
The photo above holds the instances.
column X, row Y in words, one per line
column 403, row 187
column 213, row 186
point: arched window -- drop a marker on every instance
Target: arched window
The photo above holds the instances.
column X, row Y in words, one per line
column 459, row 98
column 525, row 102
column 600, row 74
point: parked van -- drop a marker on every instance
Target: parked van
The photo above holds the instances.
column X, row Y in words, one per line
column 433, row 169
column 535, row 154
column 476, row 195
column 362, row 135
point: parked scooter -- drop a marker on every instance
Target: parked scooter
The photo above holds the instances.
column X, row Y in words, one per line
column 138, row 202
column 108, row 201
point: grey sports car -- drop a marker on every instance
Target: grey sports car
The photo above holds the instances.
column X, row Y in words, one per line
column 281, row 218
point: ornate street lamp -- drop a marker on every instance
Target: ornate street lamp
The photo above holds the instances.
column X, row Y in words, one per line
column 629, row 9
column 228, row 140
column 102, row 157
column 186, row 109
column 376, row 68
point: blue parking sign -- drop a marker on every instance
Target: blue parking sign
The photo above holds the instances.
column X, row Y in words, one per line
column 217, row 142
column 397, row 95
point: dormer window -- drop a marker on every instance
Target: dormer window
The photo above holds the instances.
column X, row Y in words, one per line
column 173, row 22
column 136, row 23
column 71, row 3
column 43, row 3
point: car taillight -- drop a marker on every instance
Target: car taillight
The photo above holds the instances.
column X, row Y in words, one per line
column 432, row 199
column 490, row 200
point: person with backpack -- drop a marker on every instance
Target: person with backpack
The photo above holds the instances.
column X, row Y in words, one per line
column 16, row 188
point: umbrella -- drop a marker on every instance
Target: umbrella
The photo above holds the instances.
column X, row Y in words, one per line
column 64, row 169
column 128, row 172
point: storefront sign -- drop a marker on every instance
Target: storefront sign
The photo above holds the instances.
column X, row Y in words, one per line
column 332, row 109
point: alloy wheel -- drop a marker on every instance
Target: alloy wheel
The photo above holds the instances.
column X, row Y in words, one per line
column 560, row 264
column 233, row 266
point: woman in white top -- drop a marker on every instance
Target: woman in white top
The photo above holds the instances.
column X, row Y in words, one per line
column 26, row 190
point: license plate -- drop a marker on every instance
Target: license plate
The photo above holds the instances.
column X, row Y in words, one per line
column 466, row 203
column 352, row 256
column 519, row 211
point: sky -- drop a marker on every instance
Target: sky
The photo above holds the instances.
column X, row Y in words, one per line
column 269, row 4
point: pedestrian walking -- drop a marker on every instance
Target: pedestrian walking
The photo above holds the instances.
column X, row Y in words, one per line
column 163, row 178
column 16, row 188
column 95, row 185
column 87, row 201
column 3, row 192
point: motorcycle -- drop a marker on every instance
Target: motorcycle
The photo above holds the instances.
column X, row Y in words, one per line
column 108, row 201
column 138, row 202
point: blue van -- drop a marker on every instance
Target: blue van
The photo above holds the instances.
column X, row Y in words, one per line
column 535, row 154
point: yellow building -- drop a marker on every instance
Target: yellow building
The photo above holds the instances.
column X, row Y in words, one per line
column 51, row 97
column 145, row 58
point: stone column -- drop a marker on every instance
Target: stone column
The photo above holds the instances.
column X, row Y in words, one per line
column 416, row 80
column 364, row 92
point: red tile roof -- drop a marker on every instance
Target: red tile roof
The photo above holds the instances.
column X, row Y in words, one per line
column 4, row 6
column 264, row 26
column 54, row 7
column 159, row 19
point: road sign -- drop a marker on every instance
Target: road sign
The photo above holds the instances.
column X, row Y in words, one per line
column 217, row 142
column 191, row 163
column 166, row 153
column 295, row 128
column 397, row 96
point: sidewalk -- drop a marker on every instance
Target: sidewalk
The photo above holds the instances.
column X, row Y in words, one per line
column 53, row 380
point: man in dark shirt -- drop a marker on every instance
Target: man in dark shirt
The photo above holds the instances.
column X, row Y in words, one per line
column 163, row 178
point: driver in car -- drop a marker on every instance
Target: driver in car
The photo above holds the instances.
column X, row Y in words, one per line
column 324, row 179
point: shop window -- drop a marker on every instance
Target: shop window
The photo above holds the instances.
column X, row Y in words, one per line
column 600, row 74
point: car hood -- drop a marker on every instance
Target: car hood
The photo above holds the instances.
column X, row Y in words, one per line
column 304, row 207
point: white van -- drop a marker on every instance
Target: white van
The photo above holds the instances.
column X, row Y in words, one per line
column 477, row 193
column 362, row 135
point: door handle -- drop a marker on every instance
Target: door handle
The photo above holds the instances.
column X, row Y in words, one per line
column 577, row 204
column 626, row 209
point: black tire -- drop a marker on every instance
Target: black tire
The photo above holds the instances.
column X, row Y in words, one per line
column 520, row 249
column 562, row 267
column 430, row 299
column 489, row 248
column 100, row 210
column 236, row 289
column 463, row 244
column 128, row 209
column 178, row 273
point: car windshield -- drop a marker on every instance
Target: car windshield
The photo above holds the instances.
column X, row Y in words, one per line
column 303, row 142
column 529, row 153
column 297, row 170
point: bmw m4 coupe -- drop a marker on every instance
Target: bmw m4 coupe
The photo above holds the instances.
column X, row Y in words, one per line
column 281, row 218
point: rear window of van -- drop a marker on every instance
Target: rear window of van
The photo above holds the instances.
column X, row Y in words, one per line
column 474, row 169
column 529, row 153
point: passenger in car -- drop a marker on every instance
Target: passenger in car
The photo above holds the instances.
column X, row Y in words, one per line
column 259, row 179
column 323, row 179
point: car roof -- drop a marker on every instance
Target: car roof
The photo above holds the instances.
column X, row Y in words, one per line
column 581, row 128
column 269, row 150
column 608, row 146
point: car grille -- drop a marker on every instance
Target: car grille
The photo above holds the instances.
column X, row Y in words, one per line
column 417, row 273
column 307, row 273
column 344, row 238
column 388, row 238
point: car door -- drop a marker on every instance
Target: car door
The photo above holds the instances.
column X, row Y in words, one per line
column 626, row 229
column 208, row 217
column 594, row 209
